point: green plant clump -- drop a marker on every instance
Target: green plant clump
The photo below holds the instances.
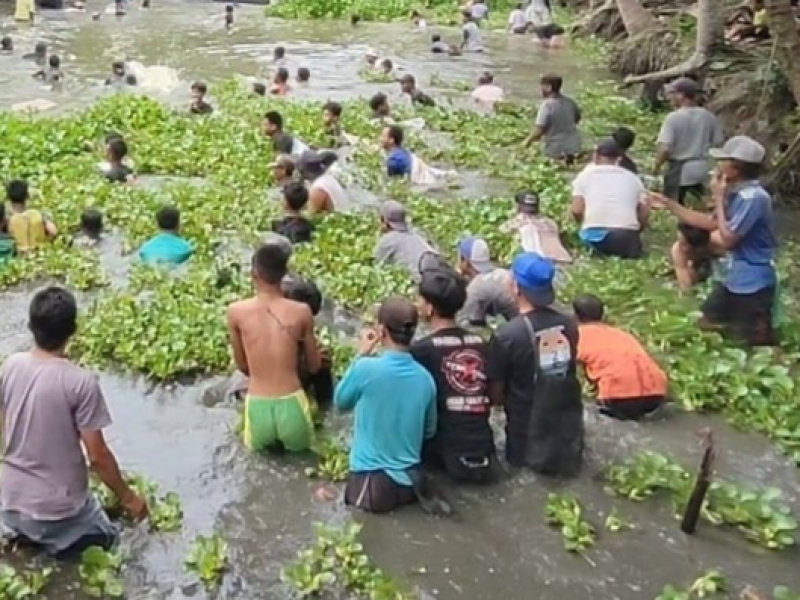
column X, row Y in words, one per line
column 208, row 558
column 21, row 585
column 712, row 584
column 100, row 573
column 564, row 511
column 332, row 459
column 337, row 560
column 166, row 514
column 758, row 515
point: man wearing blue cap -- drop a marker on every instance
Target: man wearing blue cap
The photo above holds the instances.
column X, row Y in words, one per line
column 532, row 372
column 488, row 293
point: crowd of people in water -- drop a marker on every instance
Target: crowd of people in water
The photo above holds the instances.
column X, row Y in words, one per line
column 421, row 402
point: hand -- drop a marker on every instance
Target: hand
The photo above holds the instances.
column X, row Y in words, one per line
column 135, row 506
column 660, row 201
column 718, row 184
column 367, row 341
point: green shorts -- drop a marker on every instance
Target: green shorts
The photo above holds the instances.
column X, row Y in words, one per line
column 272, row 422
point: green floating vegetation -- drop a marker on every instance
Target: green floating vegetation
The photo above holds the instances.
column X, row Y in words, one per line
column 782, row 592
column 22, row 585
column 166, row 513
column 100, row 573
column 564, row 511
column 78, row 269
column 332, row 459
column 616, row 524
column 758, row 515
column 336, row 560
column 208, row 559
column 712, row 584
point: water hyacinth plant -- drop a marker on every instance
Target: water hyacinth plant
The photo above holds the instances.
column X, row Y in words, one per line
column 208, row 558
column 564, row 511
column 22, row 585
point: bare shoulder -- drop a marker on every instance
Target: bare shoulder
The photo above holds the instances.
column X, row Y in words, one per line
column 239, row 308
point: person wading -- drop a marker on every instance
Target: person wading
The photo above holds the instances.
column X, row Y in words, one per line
column 683, row 143
column 557, row 122
column 265, row 332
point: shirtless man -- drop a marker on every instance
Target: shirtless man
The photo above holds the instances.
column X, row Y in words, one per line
column 265, row 332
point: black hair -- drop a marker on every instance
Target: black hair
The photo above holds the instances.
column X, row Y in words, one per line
column 282, row 75
column 52, row 318
column 271, row 263
column 7, row 43
column 112, row 135
column 387, row 64
column 378, row 100
column 303, row 74
column 117, row 65
column 92, row 220
column 54, row 61
column 396, row 134
column 260, row 89
column 486, row 78
column 334, row 108
column 328, row 157
column 399, row 317
column 554, row 81
column 415, row 13
column 296, row 195
column 445, row 291
column 694, row 236
column 279, row 52
column 624, row 137
column 436, row 38
column 354, row 19
column 40, row 48
column 588, row 308
column 520, row 5
column 274, row 118
column 17, row 191
column 229, row 8
column 747, row 170
column 303, row 290
column 117, row 148
column 200, row 86
column 168, row 218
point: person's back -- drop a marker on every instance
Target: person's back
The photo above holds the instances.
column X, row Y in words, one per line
column 166, row 248
column 612, row 195
column 403, row 248
column 331, row 186
column 295, row 228
column 488, row 93
column 473, row 41
column 690, row 132
column 28, row 229
column 7, row 248
column 751, row 260
column 489, row 295
column 559, row 116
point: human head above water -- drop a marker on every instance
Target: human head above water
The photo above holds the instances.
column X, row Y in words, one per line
column 295, row 196
column 387, row 65
column 588, row 308
column 740, row 159
column 311, row 165
column 624, row 137
column 397, row 322
column 273, row 123
column 281, row 75
column 271, row 263
column 118, row 68
column 407, row 83
column 7, row 44
column 259, row 89
column 303, row 75
column 551, row 85
column 92, row 222
column 40, row 50
column 199, row 90
column 392, row 137
column 436, row 38
column 379, row 104
column 354, row 19
column 168, row 219
column 52, row 318
column 331, row 112
column 282, row 166
column 116, row 149
column 442, row 293
column 486, row 78
column 17, row 192
column 279, row 52
column 54, row 61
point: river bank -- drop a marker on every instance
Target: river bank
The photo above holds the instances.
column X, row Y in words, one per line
column 157, row 327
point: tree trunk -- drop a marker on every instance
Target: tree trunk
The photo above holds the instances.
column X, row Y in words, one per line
column 637, row 18
column 784, row 31
column 710, row 33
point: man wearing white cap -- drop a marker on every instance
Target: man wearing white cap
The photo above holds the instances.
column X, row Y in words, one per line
column 743, row 225
column 399, row 244
column 488, row 292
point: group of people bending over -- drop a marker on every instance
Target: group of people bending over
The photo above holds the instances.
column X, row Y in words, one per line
column 425, row 401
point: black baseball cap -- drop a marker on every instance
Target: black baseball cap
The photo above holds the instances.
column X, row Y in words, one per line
column 528, row 202
column 399, row 316
column 608, row 148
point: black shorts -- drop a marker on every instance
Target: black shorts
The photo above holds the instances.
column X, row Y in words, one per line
column 747, row 316
column 630, row 409
column 622, row 243
column 376, row 492
column 467, row 468
column 697, row 190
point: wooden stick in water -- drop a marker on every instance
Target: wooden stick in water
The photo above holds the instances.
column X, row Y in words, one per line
column 701, row 485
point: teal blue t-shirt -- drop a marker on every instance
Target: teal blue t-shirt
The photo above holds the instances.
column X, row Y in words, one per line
column 394, row 399
column 166, row 248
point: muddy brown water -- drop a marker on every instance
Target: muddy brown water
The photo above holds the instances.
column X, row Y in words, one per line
column 500, row 546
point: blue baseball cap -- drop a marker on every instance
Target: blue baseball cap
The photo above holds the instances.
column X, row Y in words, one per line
column 475, row 251
column 534, row 275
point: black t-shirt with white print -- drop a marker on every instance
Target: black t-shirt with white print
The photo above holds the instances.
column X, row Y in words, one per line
column 456, row 358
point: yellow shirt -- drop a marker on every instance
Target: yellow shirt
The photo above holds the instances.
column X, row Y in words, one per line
column 27, row 229
column 760, row 18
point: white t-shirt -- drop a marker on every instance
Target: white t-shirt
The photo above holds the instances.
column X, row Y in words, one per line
column 612, row 195
column 472, row 37
column 488, row 94
column 334, row 189
column 422, row 24
column 479, row 10
column 517, row 20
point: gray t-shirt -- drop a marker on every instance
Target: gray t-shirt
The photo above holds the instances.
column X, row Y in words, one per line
column 559, row 118
column 46, row 404
column 473, row 41
column 404, row 248
column 688, row 133
column 488, row 295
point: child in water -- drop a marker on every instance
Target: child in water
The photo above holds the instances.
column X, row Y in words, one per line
column 118, row 75
column 199, row 106
column 7, row 45
column 52, row 74
column 294, row 226
column 229, row 16
column 279, row 54
column 303, row 76
column 116, row 170
column 91, row 233
column 280, row 83
column 259, row 89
